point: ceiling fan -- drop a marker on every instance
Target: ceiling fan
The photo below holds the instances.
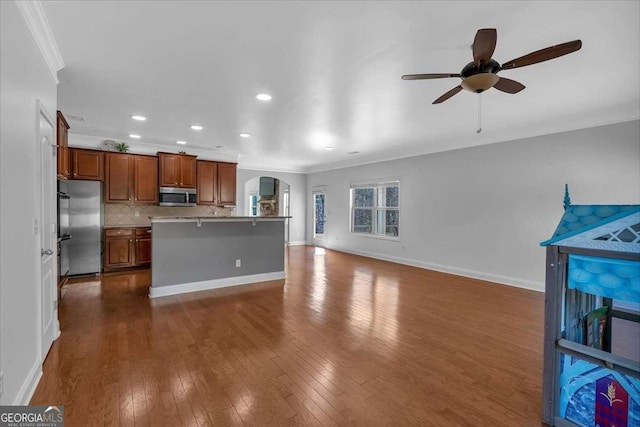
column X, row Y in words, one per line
column 482, row 73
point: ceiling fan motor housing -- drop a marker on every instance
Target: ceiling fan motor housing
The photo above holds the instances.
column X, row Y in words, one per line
column 480, row 77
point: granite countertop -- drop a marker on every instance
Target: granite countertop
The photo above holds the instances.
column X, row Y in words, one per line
column 215, row 218
column 127, row 226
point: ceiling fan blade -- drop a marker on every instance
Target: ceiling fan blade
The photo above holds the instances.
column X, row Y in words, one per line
column 508, row 85
column 428, row 76
column 484, row 44
column 448, row 95
column 543, row 55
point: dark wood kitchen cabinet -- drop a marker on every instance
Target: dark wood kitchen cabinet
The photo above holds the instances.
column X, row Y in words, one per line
column 87, row 164
column 226, row 184
column 145, row 179
column 207, row 182
column 131, row 179
column 127, row 248
column 177, row 170
column 143, row 247
column 216, row 183
column 118, row 178
column 119, row 248
column 62, row 147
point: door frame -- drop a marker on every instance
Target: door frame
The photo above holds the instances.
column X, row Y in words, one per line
column 51, row 227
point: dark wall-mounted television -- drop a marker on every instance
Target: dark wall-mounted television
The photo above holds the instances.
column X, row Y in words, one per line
column 267, row 186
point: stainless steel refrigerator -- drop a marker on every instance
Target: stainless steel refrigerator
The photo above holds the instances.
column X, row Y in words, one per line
column 86, row 215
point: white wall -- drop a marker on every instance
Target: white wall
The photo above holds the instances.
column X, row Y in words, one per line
column 24, row 77
column 482, row 211
column 297, row 197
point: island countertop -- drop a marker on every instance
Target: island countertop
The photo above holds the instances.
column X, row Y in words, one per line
column 156, row 219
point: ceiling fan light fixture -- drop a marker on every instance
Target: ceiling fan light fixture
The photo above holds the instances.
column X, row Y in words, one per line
column 480, row 82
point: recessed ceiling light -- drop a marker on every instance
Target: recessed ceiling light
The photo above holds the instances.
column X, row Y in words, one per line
column 263, row 97
column 196, row 127
column 328, row 148
column 244, row 135
column 134, row 136
column 181, row 142
column 139, row 118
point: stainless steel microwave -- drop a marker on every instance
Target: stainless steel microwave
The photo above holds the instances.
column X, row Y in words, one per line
column 170, row 196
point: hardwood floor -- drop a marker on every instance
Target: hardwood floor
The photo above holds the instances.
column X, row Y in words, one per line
column 345, row 340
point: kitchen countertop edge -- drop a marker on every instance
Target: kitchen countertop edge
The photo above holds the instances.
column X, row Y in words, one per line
column 160, row 219
column 107, row 227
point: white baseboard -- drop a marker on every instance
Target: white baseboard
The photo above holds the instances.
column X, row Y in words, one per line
column 29, row 385
column 297, row 243
column 182, row 288
column 490, row 277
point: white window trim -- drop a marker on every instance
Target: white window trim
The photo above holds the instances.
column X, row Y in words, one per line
column 374, row 184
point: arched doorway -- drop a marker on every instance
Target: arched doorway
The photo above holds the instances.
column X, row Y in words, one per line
column 268, row 196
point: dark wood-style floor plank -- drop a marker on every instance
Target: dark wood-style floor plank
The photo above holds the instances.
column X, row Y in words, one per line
column 344, row 340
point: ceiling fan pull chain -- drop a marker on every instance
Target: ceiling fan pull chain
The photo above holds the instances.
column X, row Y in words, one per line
column 479, row 113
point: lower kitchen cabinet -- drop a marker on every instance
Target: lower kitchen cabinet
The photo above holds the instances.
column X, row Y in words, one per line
column 143, row 247
column 127, row 248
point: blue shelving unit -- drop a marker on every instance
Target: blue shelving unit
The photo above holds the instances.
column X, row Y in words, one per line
column 592, row 277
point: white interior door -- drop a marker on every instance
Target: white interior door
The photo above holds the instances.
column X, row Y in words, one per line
column 319, row 217
column 48, row 235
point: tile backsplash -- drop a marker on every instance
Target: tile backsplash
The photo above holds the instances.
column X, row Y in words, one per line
column 116, row 214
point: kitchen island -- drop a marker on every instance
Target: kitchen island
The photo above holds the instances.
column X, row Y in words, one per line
column 198, row 253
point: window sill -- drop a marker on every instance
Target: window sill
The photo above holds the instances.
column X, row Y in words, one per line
column 376, row 236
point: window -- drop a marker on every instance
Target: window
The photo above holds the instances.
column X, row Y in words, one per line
column 253, row 204
column 375, row 209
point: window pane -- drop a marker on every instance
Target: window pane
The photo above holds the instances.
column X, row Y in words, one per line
column 391, row 225
column 392, row 197
column 362, row 220
column 387, row 222
column 319, row 217
column 363, row 197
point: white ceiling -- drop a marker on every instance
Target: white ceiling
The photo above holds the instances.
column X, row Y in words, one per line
column 334, row 70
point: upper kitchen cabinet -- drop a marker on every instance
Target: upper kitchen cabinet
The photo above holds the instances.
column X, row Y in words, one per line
column 62, row 147
column 118, row 178
column 87, row 164
column 131, row 179
column 145, row 179
column 216, row 183
column 177, row 170
column 207, row 182
column 226, row 184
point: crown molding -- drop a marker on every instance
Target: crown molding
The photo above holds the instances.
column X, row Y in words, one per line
column 77, row 140
column 445, row 145
column 36, row 19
